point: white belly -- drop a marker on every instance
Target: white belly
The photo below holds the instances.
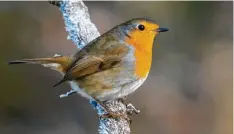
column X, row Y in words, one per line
column 112, row 94
column 120, row 92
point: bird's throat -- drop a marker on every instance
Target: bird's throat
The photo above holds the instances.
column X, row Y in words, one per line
column 143, row 64
column 143, row 57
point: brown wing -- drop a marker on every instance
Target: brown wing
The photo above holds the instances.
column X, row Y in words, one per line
column 93, row 62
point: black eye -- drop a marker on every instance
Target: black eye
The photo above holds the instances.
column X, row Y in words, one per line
column 141, row 27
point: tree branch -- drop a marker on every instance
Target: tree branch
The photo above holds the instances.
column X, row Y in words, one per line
column 77, row 22
column 81, row 31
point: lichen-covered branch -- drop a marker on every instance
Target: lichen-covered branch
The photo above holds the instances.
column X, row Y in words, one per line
column 77, row 22
column 111, row 125
column 81, row 31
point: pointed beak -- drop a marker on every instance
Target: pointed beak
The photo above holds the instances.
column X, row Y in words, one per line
column 162, row 30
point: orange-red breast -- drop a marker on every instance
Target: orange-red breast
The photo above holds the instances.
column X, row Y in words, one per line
column 112, row 65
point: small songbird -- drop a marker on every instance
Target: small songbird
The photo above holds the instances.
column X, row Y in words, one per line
column 111, row 66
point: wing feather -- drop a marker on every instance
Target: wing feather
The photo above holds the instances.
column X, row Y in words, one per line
column 92, row 59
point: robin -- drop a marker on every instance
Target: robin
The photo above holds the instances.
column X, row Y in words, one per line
column 111, row 66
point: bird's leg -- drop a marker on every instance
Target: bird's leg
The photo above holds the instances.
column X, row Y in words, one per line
column 123, row 100
column 110, row 113
column 131, row 109
column 129, row 106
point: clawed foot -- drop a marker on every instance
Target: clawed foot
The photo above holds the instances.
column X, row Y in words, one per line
column 116, row 116
column 113, row 115
column 131, row 109
column 123, row 100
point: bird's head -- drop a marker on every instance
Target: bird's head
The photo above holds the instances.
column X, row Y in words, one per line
column 140, row 32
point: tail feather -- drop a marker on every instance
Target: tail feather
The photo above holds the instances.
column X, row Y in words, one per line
column 59, row 63
column 32, row 61
column 60, row 82
column 17, row 62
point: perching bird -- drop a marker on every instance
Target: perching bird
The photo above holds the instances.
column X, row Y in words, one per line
column 111, row 66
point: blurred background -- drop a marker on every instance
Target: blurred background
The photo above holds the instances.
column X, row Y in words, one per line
column 188, row 91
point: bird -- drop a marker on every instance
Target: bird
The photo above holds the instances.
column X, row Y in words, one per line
column 110, row 67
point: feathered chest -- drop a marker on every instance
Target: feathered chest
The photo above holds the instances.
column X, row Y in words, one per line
column 139, row 60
